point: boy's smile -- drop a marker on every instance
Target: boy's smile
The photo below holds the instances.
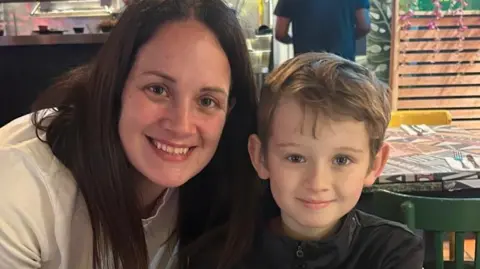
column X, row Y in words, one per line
column 316, row 204
column 317, row 167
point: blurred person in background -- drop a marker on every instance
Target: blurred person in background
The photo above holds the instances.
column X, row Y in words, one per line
column 322, row 25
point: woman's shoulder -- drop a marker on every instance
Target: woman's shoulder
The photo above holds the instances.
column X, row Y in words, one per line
column 36, row 193
column 17, row 131
column 22, row 152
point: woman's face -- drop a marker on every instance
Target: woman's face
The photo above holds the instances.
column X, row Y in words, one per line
column 175, row 103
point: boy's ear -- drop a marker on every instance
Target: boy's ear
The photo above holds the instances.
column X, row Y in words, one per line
column 257, row 157
column 378, row 164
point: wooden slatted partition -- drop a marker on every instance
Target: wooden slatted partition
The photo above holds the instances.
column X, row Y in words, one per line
column 434, row 69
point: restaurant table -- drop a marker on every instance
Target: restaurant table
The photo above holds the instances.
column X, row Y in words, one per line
column 417, row 163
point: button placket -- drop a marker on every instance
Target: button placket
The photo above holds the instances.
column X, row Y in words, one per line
column 300, row 254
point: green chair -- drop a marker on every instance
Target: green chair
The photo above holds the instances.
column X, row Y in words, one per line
column 436, row 215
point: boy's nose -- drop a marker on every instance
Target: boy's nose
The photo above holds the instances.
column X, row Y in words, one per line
column 320, row 179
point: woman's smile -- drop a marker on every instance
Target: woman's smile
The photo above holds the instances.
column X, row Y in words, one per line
column 170, row 152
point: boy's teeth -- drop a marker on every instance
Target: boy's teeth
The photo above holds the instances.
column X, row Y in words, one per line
column 169, row 149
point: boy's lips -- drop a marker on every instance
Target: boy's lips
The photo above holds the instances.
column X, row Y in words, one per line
column 315, row 204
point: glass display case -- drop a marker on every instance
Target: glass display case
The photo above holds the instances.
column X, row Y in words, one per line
column 72, row 8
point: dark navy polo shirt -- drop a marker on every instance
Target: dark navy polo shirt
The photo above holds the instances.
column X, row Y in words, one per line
column 322, row 25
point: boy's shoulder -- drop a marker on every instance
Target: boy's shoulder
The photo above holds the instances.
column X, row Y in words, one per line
column 369, row 221
column 387, row 241
column 374, row 226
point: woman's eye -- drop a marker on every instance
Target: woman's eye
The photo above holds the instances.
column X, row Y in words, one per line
column 207, row 102
column 341, row 160
column 157, row 90
column 296, row 158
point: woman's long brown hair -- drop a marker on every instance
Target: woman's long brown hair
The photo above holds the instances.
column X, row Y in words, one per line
column 217, row 205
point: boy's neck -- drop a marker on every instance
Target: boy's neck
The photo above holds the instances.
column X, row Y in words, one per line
column 314, row 234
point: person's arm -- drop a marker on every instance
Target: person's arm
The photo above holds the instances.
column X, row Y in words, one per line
column 404, row 252
column 281, row 30
column 284, row 13
column 26, row 214
column 362, row 18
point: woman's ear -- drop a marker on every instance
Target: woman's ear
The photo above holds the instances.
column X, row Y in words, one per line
column 257, row 157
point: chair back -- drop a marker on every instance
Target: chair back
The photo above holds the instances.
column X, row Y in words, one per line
column 437, row 215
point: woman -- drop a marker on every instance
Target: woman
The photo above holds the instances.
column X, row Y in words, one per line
column 146, row 146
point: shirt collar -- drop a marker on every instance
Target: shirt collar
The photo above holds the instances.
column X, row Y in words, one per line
column 330, row 252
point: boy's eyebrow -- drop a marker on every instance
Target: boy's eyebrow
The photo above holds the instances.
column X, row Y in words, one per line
column 351, row 149
column 293, row 144
column 287, row 144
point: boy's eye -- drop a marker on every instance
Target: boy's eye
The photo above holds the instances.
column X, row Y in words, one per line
column 296, row 158
column 341, row 160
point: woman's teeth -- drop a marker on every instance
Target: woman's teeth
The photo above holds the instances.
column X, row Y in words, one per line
column 169, row 149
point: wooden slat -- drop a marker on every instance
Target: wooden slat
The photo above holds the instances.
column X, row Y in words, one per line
column 439, row 68
column 465, row 113
column 441, row 33
column 439, row 57
column 439, row 103
column 397, row 56
column 438, row 45
column 394, row 54
column 439, row 91
column 438, row 80
column 468, row 124
column 445, row 21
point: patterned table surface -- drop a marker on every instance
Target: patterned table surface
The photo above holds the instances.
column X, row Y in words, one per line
column 417, row 163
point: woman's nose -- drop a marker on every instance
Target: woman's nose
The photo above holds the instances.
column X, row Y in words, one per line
column 180, row 120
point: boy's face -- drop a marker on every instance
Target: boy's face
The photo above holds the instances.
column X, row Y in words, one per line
column 316, row 175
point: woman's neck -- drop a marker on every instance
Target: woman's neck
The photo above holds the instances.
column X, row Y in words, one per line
column 149, row 195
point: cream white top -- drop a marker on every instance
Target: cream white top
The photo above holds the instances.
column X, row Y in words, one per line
column 44, row 221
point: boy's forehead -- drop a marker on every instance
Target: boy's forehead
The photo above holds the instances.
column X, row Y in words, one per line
column 291, row 118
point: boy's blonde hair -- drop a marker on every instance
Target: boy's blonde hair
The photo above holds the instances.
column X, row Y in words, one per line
column 331, row 86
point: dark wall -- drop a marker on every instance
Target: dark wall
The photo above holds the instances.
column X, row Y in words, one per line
column 25, row 71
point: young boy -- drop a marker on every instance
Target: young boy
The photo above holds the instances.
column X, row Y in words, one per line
column 322, row 121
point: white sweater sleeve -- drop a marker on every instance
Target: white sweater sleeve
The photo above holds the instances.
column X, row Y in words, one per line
column 26, row 212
